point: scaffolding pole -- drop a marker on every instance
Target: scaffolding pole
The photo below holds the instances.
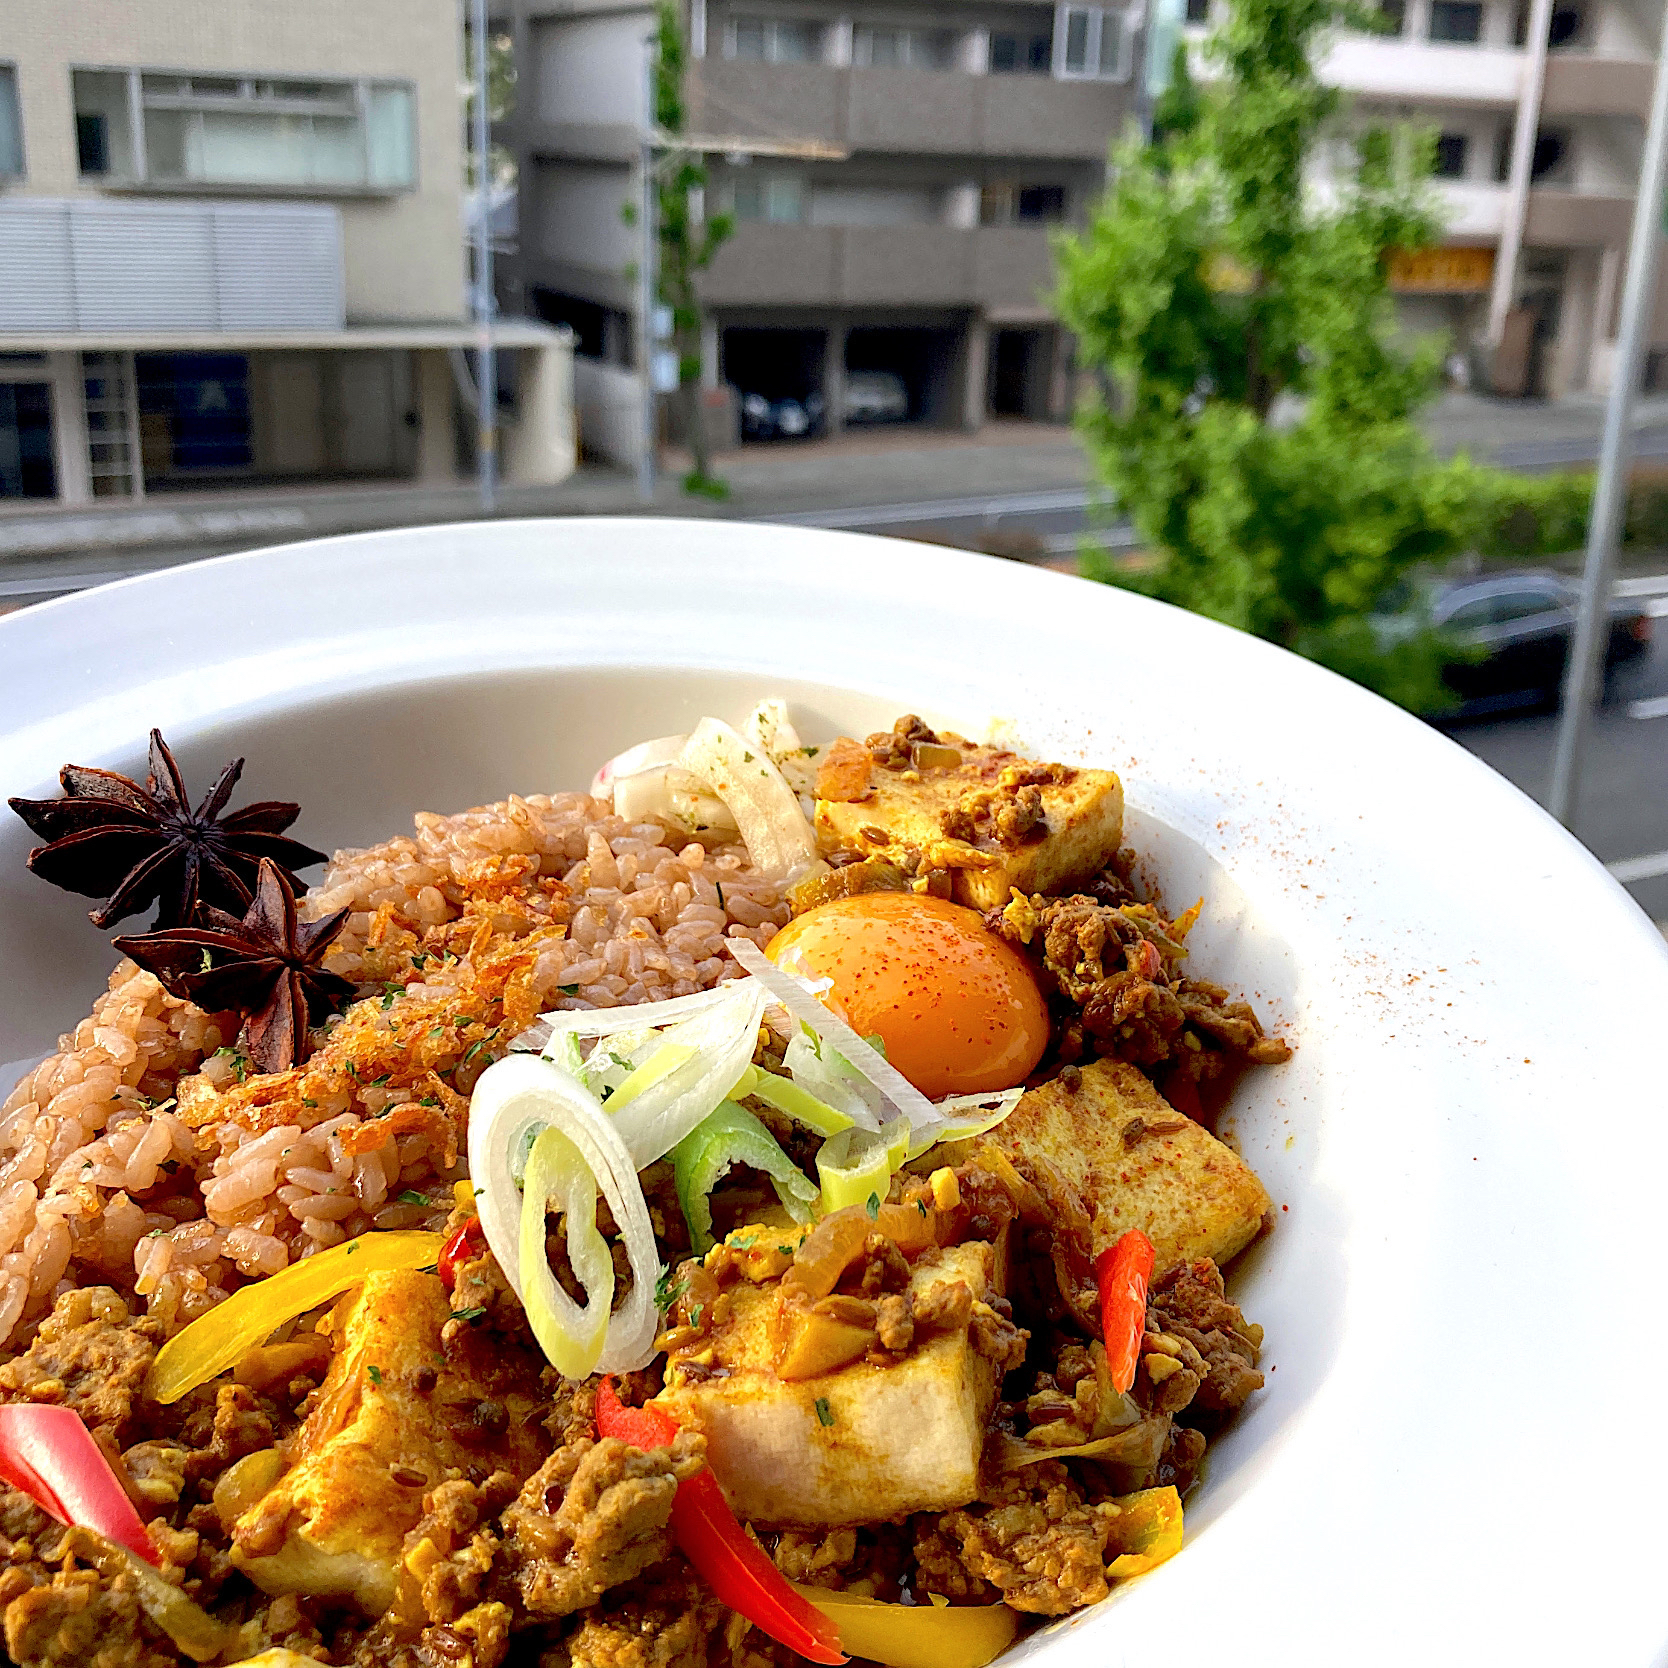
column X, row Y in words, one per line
column 486, row 368
column 1604, row 528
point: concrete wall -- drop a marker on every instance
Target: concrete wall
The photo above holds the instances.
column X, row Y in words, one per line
column 609, row 404
column 588, row 69
column 573, row 216
column 403, row 254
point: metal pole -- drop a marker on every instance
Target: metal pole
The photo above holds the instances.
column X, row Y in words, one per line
column 647, row 284
column 1592, row 629
column 1509, row 256
column 486, row 368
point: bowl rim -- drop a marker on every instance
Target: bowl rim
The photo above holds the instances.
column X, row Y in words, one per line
column 1425, row 899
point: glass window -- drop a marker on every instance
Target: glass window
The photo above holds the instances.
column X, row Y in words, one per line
column 11, row 124
column 778, row 199
column 1523, row 605
column 1021, row 54
column 1096, row 43
column 1551, row 148
column 1451, row 149
column 1198, row 11
column 223, row 130
column 774, row 40
column 1470, row 616
column 1040, row 203
column 26, row 467
column 1457, row 20
column 919, row 48
column 1393, row 15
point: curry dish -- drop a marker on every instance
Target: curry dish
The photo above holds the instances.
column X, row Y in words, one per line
column 766, row 1207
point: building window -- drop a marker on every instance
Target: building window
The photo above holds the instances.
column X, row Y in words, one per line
column 11, row 125
column 1021, row 54
column 159, row 129
column 1198, row 11
column 1450, row 156
column 778, row 199
column 1457, row 20
column 918, row 48
column 26, row 467
column 1098, row 43
column 1552, row 149
column 1022, row 205
column 773, row 40
column 1392, row 16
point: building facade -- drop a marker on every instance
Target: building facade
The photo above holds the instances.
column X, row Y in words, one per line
column 1539, row 108
column 895, row 172
column 232, row 254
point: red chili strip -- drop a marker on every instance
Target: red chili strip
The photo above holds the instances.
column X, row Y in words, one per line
column 1122, row 1273
column 726, row 1557
column 462, row 1246
column 48, row 1454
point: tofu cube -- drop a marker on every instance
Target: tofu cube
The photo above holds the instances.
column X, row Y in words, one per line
column 995, row 821
column 849, row 1446
column 1139, row 1163
column 385, row 1429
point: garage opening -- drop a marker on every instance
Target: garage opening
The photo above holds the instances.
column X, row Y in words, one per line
column 1021, row 364
column 923, row 361
column 777, row 376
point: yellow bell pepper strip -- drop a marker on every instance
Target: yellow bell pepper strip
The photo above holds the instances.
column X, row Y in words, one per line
column 1146, row 1531
column 916, row 1635
column 730, row 1134
column 1122, row 1273
column 219, row 1339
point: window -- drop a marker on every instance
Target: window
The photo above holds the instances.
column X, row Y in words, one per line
column 1198, row 11
column 26, row 468
column 1450, row 156
column 230, row 130
column 918, row 48
column 1522, row 605
column 1098, row 44
column 1021, row 54
column 11, row 125
column 1563, row 27
column 778, row 199
column 1551, row 148
column 1457, row 20
column 774, row 40
column 1021, row 205
column 1393, row 16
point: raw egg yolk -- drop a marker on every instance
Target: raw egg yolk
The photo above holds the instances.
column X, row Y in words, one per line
column 959, row 1009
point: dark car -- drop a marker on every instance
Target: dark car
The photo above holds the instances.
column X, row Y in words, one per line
column 1520, row 627
column 767, row 419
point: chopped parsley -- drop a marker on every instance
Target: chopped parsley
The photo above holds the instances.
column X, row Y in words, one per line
column 696, row 1313
column 238, row 1060
column 786, row 1250
column 412, row 1197
column 469, row 1314
column 374, row 1373
column 351, row 1249
column 825, row 1414
column 745, row 1244
column 747, row 758
column 668, row 1290
column 485, row 1042
column 568, row 990
column 391, row 988
column 873, row 1206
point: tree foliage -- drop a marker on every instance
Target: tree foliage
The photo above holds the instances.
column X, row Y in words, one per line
column 1256, row 417
column 687, row 245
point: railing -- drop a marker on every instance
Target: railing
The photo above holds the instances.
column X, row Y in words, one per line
column 90, row 266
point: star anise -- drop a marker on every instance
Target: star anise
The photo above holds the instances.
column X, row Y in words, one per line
column 135, row 845
column 266, row 965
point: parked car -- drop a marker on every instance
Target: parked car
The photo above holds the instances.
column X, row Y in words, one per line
column 875, row 397
column 1519, row 627
column 767, row 419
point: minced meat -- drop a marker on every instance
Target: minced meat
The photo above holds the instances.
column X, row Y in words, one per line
column 88, row 1355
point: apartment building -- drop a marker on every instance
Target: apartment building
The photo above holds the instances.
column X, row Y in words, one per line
column 1543, row 322
column 232, row 253
column 895, row 171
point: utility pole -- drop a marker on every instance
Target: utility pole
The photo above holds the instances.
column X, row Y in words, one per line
column 1592, row 626
column 647, row 282
column 486, row 355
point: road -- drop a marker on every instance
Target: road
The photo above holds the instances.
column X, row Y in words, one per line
column 1623, row 814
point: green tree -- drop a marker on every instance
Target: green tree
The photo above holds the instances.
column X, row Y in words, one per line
column 1256, row 414
column 686, row 245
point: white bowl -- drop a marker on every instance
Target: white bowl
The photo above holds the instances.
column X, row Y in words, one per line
column 1468, row 1149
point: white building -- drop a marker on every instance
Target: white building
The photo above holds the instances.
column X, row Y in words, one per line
column 1538, row 152
column 231, row 253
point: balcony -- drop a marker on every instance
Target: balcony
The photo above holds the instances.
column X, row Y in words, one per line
column 1424, row 72
column 994, row 268
column 1578, row 84
column 1577, row 220
column 91, row 265
column 911, row 111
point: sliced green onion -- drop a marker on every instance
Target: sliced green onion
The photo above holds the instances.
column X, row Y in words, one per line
column 965, row 1116
column 571, row 1337
column 662, row 1063
column 796, row 1102
column 732, row 1135
column 858, row 1163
